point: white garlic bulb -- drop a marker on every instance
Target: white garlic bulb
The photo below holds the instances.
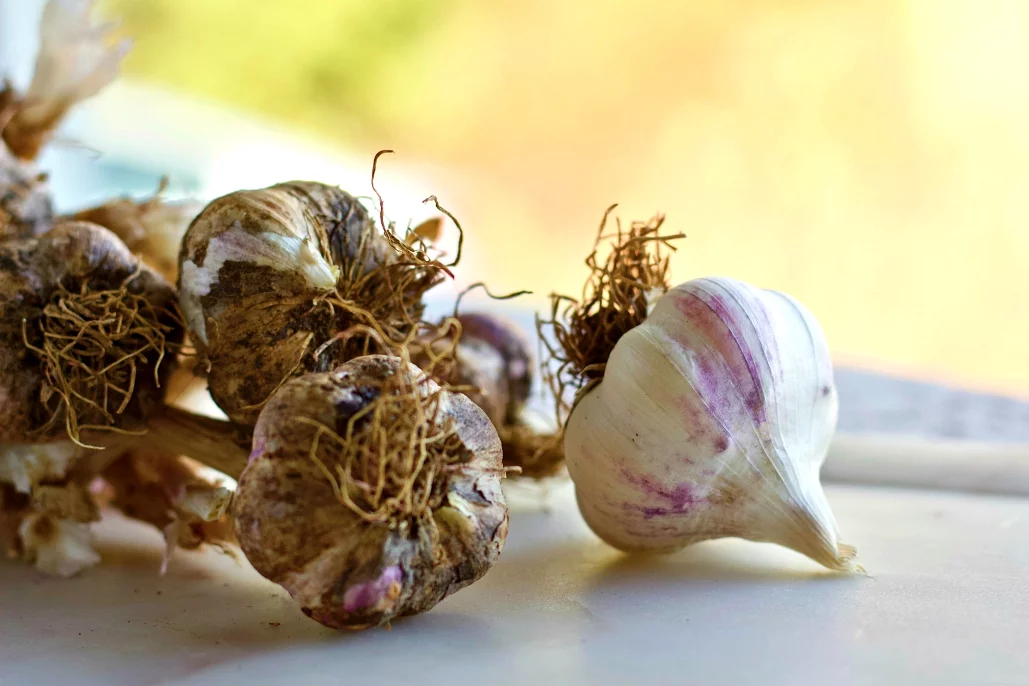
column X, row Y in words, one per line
column 712, row 420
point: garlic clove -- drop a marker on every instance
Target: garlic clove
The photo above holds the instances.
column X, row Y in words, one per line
column 713, row 419
column 361, row 540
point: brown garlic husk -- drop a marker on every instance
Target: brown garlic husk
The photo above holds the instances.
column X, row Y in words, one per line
column 170, row 493
column 152, row 228
column 336, row 505
column 269, row 277
column 86, row 335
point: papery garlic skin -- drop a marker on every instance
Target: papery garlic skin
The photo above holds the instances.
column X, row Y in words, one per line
column 59, row 547
column 76, row 60
column 25, row 465
column 713, row 419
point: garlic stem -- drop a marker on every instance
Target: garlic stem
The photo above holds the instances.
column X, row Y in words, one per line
column 217, row 443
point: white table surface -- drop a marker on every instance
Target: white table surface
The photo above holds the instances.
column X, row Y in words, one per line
column 947, row 603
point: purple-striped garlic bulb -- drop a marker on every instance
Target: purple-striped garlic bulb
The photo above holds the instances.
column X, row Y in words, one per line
column 371, row 493
column 711, row 419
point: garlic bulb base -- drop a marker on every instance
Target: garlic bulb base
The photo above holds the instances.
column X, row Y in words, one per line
column 816, row 545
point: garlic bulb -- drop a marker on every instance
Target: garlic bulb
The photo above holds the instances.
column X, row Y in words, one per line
column 267, row 278
column 86, row 334
column 494, row 362
column 371, row 493
column 151, row 228
column 712, row 419
column 494, row 357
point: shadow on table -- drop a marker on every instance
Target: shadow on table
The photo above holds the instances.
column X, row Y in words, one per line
column 209, row 607
column 728, row 561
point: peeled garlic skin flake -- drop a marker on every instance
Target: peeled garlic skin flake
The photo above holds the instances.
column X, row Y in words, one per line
column 712, row 420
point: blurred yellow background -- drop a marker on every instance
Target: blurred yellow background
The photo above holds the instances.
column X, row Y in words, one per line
column 870, row 157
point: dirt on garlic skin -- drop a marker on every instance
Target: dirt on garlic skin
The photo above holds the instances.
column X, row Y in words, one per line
column 253, row 268
column 344, row 571
column 72, row 256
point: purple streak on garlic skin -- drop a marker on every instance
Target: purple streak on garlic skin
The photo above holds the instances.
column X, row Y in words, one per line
column 680, row 497
column 703, row 429
column 371, row 593
column 258, row 449
column 711, row 318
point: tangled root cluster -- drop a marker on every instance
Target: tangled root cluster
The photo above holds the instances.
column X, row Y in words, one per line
column 393, row 460
column 531, row 454
column 388, row 297
column 92, row 346
column 580, row 334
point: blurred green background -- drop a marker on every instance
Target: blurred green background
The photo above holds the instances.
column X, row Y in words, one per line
column 868, row 156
